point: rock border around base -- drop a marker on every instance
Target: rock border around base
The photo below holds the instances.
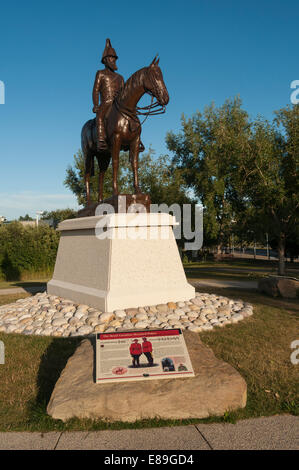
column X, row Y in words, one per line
column 49, row 315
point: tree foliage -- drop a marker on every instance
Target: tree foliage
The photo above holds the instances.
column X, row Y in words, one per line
column 270, row 175
column 209, row 150
column 25, row 218
column 244, row 173
column 58, row 215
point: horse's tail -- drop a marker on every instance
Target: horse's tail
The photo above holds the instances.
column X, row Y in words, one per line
column 86, row 146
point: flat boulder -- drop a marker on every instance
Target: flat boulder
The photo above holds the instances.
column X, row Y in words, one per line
column 277, row 286
column 216, row 388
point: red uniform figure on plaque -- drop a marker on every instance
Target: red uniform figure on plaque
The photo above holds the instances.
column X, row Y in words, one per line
column 147, row 350
column 135, row 351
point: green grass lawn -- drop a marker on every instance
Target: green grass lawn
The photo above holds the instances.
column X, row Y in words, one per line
column 237, row 270
column 205, row 272
column 258, row 347
column 230, row 269
column 248, row 263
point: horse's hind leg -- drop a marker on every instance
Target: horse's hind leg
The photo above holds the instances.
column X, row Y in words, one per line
column 103, row 162
column 87, row 188
column 134, row 153
column 88, row 172
column 116, row 145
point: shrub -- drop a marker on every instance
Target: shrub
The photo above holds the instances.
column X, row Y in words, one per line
column 26, row 250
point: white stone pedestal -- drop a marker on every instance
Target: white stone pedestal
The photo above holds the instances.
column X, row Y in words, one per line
column 132, row 261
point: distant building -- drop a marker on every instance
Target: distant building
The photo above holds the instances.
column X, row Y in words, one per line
column 27, row 223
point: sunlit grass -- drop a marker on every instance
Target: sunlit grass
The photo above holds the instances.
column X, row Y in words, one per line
column 258, row 347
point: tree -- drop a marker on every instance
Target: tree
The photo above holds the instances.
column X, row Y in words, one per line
column 292, row 244
column 245, row 174
column 270, row 175
column 208, row 151
column 59, row 215
column 25, row 218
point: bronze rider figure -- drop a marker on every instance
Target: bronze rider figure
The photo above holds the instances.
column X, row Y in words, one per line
column 106, row 86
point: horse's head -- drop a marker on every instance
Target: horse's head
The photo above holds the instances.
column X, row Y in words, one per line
column 154, row 83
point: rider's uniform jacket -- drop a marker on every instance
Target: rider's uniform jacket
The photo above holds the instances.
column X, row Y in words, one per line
column 106, row 84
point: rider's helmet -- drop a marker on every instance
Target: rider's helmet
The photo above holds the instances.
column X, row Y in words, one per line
column 108, row 51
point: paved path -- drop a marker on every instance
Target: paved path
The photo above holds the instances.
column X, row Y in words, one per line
column 276, row 433
column 224, row 283
column 22, row 290
column 241, row 269
column 195, row 283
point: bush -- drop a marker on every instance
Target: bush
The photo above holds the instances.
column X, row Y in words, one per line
column 26, row 250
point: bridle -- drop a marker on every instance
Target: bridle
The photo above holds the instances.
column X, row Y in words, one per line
column 153, row 109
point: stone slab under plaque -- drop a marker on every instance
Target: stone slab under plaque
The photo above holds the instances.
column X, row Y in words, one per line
column 216, row 388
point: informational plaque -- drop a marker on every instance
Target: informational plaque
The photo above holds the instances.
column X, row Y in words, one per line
column 142, row 355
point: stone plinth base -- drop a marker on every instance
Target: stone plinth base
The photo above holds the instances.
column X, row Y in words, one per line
column 216, row 388
column 119, row 261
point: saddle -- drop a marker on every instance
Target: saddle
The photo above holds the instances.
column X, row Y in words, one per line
column 103, row 130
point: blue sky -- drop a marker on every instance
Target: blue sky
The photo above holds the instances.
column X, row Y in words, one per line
column 50, row 51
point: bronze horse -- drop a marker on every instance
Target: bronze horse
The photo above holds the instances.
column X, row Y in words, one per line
column 123, row 127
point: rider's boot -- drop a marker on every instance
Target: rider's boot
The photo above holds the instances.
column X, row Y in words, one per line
column 101, row 141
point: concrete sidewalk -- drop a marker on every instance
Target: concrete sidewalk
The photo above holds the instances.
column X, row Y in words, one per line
column 273, row 433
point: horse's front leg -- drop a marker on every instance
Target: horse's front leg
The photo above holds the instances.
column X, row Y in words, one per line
column 116, row 144
column 134, row 153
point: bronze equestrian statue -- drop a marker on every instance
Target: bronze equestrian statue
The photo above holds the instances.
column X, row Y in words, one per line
column 117, row 126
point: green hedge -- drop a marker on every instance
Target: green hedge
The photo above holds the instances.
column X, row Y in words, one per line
column 25, row 250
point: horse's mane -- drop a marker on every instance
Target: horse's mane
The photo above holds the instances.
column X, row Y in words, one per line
column 134, row 81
